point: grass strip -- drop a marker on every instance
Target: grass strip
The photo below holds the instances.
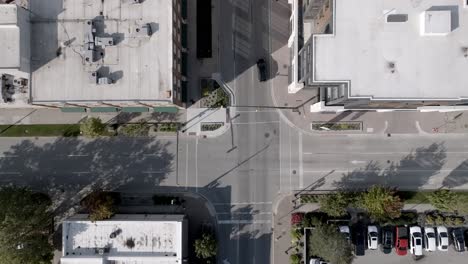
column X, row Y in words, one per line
column 54, row 130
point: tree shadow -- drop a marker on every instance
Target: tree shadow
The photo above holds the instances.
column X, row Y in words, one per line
column 457, row 177
column 68, row 169
column 412, row 171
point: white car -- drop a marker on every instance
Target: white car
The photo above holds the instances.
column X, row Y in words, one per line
column 344, row 230
column 372, row 237
column 415, row 240
column 317, row 261
column 442, row 238
column 429, row 239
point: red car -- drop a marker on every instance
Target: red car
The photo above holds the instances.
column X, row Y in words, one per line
column 401, row 242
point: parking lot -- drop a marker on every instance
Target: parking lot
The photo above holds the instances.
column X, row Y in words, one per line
column 376, row 256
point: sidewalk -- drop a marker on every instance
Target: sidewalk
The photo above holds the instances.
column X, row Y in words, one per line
column 26, row 116
column 396, row 122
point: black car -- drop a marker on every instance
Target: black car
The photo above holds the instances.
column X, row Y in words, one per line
column 458, row 239
column 262, row 70
column 387, row 240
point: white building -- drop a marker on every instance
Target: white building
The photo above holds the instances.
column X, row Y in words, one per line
column 382, row 54
column 98, row 54
column 125, row 239
column 14, row 55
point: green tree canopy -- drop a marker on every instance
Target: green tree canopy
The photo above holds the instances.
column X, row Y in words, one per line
column 335, row 204
column 100, row 205
column 328, row 243
column 448, row 201
column 93, row 127
column 381, row 203
column 206, row 246
column 25, row 226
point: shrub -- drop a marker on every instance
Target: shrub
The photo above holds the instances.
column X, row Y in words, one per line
column 295, row 259
column 135, row 130
column 443, row 199
column 296, row 234
column 296, row 218
column 93, row 127
column 206, row 247
column 309, row 198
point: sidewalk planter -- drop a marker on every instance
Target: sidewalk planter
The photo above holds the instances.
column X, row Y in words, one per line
column 211, row 126
column 213, row 95
column 336, row 126
column 166, row 127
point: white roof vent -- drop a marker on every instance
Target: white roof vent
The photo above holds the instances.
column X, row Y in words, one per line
column 435, row 22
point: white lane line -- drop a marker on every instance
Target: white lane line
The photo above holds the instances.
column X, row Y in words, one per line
column 402, row 170
column 186, row 164
column 358, row 162
column 80, row 172
column 344, row 152
column 155, row 171
column 77, row 155
column 301, row 175
column 280, row 159
column 253, row 123
column 256, row 111
column 9, row 156
column 249, row 222
column 242, row 203
column 290, row 161
column 244, row 213
column 196, row 165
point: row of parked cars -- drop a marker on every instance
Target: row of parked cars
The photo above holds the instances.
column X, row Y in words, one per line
column 404, row 239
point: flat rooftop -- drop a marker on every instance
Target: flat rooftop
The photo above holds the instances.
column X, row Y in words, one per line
column 396, row 49
column 131, row 239
column 140, row 66
column 9, row 37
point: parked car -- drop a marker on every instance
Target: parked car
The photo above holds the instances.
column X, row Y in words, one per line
column 442, row 238
column 416, row 240
column 429, row 239
column 458, row 239
column 401, row 244
column 359, row 240
column 387, row 240
column 262, row 70
column 372, row 237
column 317, row 261
column 346, row 232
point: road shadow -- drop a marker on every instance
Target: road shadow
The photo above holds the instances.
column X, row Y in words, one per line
column 412, row 171
column 68, row 169
column 263, row 34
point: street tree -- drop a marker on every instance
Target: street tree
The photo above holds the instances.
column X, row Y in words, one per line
column 381, row 203
column 92, row 127
column 206, row 246
column 335, row 204
column 100, row 205
column 25, row 226
column 329, row 244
